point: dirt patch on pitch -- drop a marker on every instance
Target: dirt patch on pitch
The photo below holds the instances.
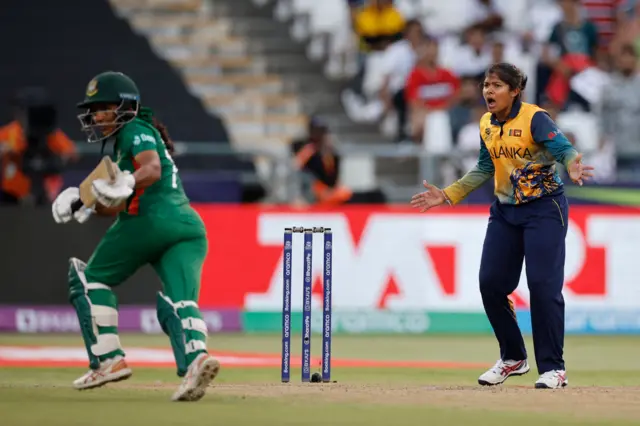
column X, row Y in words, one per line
column 594, row 403
column 591, row 402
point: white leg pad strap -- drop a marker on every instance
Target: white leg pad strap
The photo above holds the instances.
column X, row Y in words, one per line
column 80, row 266
column 104, row 316
column 184, row 304
column 195, row 345
column 95, row 286
column 106, row 343
column 179, row 305
column 195, row 324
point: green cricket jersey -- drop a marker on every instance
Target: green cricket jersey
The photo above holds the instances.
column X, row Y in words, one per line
column 164, row 196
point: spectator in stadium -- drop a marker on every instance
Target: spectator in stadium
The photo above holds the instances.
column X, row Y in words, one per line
column 33, row 150
column 619, row 113
column 628, row 27
column 475, row 55
column 378, row 24
column 553, row 109
column 497, row 51
column 316, row 156
column 429, row 87
column 467, row 147
column 485, row 14
column 461, row 112
column 571, row 48
column 605, row 14
column 602, row 160
column 400, row 58
column 354, row 8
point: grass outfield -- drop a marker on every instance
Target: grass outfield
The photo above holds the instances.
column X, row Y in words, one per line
column 604, row 377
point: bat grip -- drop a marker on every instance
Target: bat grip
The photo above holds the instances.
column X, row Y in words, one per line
column 76, row 205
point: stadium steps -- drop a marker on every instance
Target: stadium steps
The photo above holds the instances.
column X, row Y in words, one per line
column 63, row 60
column 322, row 95
column 245, row 65
column 288, row 58
column 250, row 56
column 221, row 68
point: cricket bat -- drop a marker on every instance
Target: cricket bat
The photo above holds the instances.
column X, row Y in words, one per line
column 106, row 169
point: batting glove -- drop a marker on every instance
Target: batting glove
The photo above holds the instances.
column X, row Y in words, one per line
column 112, row 194
column 61, row 207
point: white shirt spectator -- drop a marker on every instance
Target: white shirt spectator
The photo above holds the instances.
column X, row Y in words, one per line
column 399, row 60
column 478, row 12
column 469, row 63
column 542, row 16
column 468, row 145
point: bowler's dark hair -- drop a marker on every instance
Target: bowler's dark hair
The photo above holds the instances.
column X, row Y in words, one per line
column 510, row 74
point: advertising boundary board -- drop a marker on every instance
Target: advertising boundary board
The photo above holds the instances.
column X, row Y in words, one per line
column 61, row 319
column 386, row 259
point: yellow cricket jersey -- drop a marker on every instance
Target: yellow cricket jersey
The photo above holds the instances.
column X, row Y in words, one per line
column 521, row 154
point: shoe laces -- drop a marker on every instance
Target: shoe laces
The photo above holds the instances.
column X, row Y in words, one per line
column 502, row 366
column 550, row 374
column 498, row 366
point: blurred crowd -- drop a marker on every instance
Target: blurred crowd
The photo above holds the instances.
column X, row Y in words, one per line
column 581, row 58
column 34, row 150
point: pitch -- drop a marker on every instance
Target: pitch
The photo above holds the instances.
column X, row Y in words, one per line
column 405, row 379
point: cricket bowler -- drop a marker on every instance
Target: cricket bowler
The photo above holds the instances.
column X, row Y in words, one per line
column 155, row 225
column 519, row 148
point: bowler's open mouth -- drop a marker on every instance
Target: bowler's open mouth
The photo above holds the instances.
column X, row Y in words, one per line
column 491, row 103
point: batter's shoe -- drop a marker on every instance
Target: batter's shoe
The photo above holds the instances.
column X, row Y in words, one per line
column 554, row 379
column 502, row 370
column 200, row 374
column 111, row 370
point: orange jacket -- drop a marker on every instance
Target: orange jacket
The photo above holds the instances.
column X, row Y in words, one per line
column 326, row 188
column 13, row 145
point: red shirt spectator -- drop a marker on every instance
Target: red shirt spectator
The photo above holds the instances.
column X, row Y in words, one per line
column 429, row 84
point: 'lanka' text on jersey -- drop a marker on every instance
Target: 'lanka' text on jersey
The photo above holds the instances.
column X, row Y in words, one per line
column 520, row 154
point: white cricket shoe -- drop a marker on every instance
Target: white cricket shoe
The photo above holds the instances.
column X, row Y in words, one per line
column 554, row 379
column 201, row 372
column 111, row 370
column 502, row 370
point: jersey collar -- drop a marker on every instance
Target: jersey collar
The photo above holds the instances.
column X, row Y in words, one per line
column 515, row 110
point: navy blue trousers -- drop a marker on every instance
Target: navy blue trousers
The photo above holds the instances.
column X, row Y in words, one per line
column 534, row 232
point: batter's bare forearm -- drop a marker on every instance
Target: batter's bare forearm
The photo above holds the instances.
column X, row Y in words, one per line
column 147, row 175
column 109, row 211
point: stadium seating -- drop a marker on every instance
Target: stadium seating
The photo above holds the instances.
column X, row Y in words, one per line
column 72, row 47
column 218, row 67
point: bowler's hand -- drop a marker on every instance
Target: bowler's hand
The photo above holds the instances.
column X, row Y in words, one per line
column 578, row 172
column 432, row 197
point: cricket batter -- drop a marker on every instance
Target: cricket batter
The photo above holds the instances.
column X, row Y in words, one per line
column 519, row 146
column 155, row 225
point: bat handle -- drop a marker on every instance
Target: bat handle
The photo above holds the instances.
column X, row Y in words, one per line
column 76, row 205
